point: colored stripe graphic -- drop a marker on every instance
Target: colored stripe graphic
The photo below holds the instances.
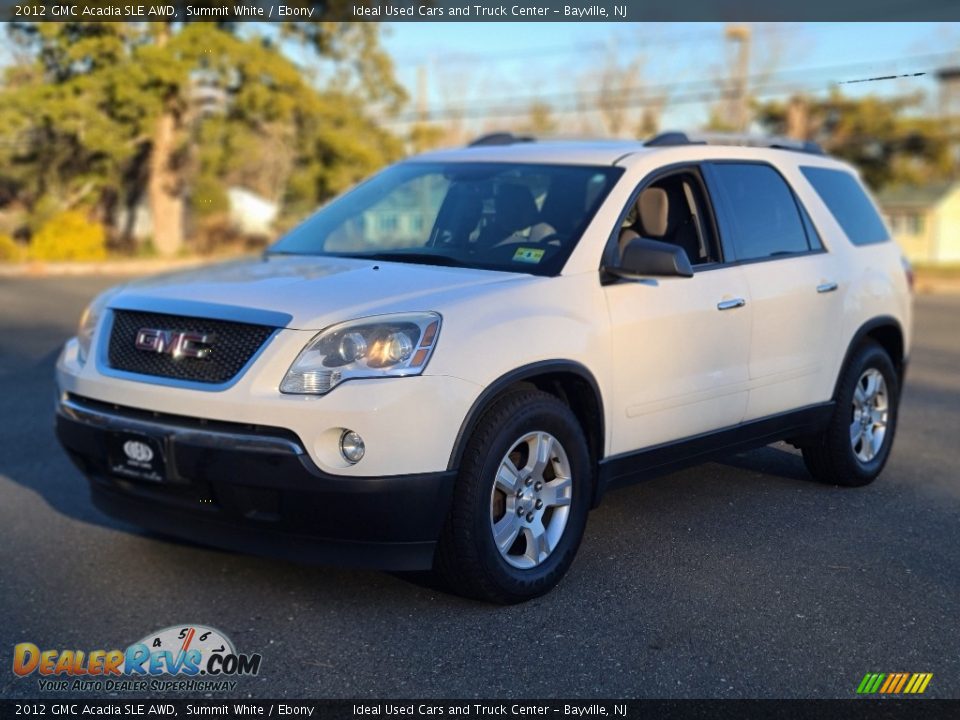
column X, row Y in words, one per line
column 901, row 683
column 918, row 683
column 870, row 683
column 894, row 683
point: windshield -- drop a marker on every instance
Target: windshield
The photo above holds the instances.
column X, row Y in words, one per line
column 519, row 218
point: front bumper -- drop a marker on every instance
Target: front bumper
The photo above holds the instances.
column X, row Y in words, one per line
column 409, row 424
column 256, row 490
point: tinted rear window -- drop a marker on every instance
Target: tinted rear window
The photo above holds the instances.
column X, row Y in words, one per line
column 761, row 213
column 849, row 204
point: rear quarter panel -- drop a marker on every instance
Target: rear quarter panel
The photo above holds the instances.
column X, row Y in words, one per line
column 871, row 277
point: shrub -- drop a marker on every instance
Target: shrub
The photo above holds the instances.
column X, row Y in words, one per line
column 69, row 236
column 10, row 249
column 215, row 234
column 209, row 198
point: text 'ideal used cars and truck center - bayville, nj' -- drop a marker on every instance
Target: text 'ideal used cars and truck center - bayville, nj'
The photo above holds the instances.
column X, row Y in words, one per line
column 494, row 709
column 488, row 12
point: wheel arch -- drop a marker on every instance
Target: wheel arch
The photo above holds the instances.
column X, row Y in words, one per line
column 887, row 332
column 568, row 380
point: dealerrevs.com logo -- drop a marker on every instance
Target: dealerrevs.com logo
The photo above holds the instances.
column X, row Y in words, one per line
column 178, row 658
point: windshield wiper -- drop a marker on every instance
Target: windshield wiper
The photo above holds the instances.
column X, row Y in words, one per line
column 269, row 253
column 420, row 258
column 409, row 257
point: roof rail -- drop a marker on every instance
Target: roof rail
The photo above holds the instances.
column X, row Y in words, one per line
column 500, row 138
column 668, row 139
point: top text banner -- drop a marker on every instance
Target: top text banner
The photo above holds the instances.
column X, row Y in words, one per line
column 465, row 11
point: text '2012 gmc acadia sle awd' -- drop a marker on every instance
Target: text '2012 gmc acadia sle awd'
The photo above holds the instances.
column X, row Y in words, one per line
column 447, row 367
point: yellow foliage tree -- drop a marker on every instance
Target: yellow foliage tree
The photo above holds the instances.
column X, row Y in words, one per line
column 69, row 235
column 10, row 251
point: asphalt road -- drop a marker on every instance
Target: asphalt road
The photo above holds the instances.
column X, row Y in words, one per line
column 736, row 579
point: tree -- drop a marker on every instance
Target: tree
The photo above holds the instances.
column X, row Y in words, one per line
column 61, row 148
column 880, row 136
column 540, row 119
column 107, row 112
column 620, row 98
column 424, row 136
column 615, row 82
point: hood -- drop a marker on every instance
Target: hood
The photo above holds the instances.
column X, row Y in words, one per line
column 300, row 292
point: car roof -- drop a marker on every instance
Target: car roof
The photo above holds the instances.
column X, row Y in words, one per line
column 627, row 152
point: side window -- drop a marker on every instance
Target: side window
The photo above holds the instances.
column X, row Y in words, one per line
column 674, row 209
column 844, row 197
column 760, row 217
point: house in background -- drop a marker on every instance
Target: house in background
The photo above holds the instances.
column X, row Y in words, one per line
column 247, row 212
column 924, row 220
column 250, row 213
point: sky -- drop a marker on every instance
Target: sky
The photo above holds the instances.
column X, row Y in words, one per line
column 478, row 65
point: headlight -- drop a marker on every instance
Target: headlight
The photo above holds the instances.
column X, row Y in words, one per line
column 88, row 324
column 381, row 346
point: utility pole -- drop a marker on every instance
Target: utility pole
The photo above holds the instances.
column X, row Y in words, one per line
column 798, row 122
column 948, row 80
column 422, row 93
column 739, row 112
column 423, row 195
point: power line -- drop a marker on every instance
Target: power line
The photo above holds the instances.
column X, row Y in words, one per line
column 580, row 48
column 882, row 77
column 626, row 101
column 712, row 36
column 675, row 93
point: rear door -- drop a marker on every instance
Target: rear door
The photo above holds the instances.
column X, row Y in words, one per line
column 793, row 283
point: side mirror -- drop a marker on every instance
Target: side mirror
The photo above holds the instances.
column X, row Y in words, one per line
column 644, row 257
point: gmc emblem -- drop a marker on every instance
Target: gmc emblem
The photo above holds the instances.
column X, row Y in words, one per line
column 175, row 343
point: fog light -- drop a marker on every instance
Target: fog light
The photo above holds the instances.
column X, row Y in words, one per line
column 352, row 447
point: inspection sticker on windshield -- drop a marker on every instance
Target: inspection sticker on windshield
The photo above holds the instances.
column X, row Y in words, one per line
column 528, row 255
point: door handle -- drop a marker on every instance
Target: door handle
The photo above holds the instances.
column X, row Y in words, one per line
column 731, row 304
column 826, row 287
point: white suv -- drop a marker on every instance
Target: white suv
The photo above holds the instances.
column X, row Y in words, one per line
column 448, row 366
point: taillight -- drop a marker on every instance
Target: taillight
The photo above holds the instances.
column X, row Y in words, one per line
column 908, row 271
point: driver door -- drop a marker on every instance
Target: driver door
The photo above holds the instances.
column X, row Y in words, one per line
column 681, row 346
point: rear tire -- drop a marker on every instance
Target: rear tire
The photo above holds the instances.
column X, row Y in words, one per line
column 856, row 444
column 521, row 501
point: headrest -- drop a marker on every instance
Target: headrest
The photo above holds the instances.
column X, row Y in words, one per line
column 653, row 207
column 461, row 196
column 515, row 207
column 460, row 211
column 564, row 205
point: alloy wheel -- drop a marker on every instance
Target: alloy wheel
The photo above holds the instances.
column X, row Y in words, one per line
column 530, row 500
column 871, row 410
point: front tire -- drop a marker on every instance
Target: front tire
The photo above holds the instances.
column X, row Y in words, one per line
column 856, row 444
column 521, row 501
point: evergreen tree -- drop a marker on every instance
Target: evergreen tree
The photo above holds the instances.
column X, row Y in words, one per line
column 102, row 115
